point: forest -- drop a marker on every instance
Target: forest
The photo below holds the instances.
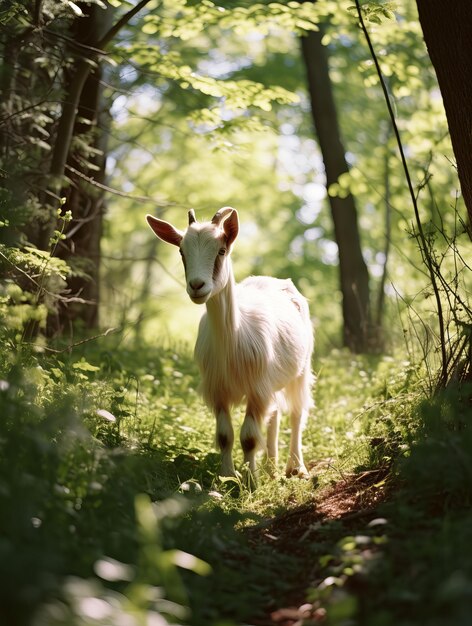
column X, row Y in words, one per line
column 341, row 132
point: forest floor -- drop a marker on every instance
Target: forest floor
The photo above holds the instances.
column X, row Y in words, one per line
column 113, row 512
column 352, row 502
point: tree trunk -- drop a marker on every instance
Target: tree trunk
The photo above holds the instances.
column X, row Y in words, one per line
column 354, row 276
column 81, row 115
column 447, row 29
column 81, row 249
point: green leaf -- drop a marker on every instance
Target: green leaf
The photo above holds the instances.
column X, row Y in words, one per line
column 189, row 562
column 85, row 366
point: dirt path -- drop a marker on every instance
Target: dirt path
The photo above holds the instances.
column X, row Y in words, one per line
column 352, row 501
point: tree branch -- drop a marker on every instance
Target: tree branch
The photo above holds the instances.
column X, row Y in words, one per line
column 122, row 194
column 38, row 6
column 67, row 120
column 424, row 247
column 120, row 23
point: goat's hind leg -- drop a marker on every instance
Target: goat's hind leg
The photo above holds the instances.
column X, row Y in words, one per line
column 299, row 400
column 295, row 463
column 273, row 422
column 225, row 441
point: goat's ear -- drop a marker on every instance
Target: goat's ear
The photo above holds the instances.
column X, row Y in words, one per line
column 164, row 230
column 231, row 227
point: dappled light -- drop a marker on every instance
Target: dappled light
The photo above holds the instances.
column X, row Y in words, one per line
column 339, row 132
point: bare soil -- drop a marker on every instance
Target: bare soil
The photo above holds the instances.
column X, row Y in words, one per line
column 351, row 501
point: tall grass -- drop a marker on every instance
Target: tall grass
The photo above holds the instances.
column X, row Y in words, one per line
column 112, row 509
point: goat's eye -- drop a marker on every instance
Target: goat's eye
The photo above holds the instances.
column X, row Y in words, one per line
column 222, row 251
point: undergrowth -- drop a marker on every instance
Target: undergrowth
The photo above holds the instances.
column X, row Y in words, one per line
column 112, row 509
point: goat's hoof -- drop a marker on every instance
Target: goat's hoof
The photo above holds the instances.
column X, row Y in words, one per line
column 228, row 475
column 228, row 471
column 300, row 472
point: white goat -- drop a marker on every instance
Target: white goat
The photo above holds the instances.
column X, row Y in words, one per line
column 254, row 341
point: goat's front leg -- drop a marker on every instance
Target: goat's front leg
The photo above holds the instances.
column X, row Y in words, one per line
column 251, row 434
column 225, row 441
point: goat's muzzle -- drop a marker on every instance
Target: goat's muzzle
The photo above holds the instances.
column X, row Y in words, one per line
column 198, row 290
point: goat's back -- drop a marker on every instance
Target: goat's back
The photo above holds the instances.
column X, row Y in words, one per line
column 274, row 294
column 269, row 349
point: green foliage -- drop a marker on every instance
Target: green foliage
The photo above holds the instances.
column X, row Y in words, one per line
column 111, row 507
column 221, row 157
column 185, row 20
column 440, row 444
column 10, row 11
column 237, row 96
column 82, row 436
column 376, row 12
column 33, row 280
column 418, row 572
column 67, row 503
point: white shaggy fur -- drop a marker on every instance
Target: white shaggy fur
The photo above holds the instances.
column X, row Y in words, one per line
column 254, row 342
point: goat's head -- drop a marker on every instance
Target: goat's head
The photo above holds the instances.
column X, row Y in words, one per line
column 205, row 248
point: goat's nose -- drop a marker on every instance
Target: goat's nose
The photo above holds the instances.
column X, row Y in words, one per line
column 196, row 284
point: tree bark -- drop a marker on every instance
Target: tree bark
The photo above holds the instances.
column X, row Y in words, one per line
column 354, row 276
column 80, row 119
column 447, row 30
column 93, row 33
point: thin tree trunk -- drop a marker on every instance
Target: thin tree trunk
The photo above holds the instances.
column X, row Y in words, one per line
column 354, row 276
column 92, row 38
column 83, row 101
column 81, row 249
column 81, row 115
column 146, row 286
column 447, row 30
column 388, row 232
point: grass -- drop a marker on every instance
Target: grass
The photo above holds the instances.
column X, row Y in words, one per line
column 112, row 510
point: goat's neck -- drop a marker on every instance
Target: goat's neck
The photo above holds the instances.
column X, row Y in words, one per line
column 223, row 312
